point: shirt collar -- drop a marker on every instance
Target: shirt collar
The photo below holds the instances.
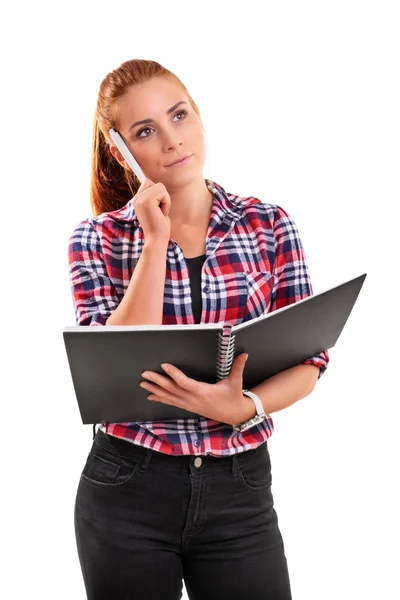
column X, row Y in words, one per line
column 223, row 201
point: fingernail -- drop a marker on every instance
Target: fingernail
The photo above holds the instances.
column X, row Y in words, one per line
column 164, row 366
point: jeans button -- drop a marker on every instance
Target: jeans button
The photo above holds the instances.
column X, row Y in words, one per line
column 197, row 461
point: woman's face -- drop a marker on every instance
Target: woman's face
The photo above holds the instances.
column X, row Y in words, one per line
column 166, row 137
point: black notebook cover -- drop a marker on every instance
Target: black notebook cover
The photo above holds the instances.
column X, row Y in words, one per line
column 106, row 362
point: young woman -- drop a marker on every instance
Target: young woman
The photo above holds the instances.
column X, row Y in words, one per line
column 159, row 503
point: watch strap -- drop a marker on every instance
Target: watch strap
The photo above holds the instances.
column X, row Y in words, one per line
column 257, row 401
column 258, row 417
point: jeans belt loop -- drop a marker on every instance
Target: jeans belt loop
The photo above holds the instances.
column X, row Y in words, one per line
column 145, row 462
column 234, row 465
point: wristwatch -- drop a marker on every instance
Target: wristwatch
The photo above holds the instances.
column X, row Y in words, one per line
column 258, row 417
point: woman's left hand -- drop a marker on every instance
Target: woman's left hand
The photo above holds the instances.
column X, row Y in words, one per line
column 222, row 401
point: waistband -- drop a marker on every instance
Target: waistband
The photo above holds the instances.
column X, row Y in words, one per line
column 194, row 463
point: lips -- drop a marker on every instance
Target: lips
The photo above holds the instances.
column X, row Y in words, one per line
column 179, row 160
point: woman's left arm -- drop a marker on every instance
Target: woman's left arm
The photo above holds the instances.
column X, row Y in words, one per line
column 224, row 401
column 284, row 389
column 292, row 281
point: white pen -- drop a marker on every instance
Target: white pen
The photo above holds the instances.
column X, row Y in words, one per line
column 127, row 154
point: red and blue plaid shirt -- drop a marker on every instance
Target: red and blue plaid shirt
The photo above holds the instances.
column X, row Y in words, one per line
column 248, row 243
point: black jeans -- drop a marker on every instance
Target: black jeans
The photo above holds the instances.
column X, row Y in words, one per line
column 146, row 521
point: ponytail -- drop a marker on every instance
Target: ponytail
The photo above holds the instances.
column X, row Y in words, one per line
column 112, row 185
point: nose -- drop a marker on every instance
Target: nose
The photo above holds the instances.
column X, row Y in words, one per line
column 170, row 140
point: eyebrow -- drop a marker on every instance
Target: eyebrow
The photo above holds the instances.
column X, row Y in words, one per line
column 145, row 121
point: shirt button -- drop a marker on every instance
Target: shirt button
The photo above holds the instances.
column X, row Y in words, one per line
column 197, row 461
column 206, row 288
column 196, row 443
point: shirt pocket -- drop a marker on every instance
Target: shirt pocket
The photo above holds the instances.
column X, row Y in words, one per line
column 244, row 294
column 259, row 285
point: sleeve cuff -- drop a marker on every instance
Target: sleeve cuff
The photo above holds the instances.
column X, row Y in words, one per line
column 320, row 360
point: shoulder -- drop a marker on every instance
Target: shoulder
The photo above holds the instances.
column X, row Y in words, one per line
column 104, row 224
column 254, row 207
column 84, row 229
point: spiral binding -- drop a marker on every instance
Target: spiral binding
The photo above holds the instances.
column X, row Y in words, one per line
column 225, row 351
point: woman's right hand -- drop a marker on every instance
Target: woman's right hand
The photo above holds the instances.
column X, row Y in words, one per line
column 152, row 204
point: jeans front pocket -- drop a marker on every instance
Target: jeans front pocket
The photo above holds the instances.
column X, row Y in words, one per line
column 106, row 469
column 256, row 475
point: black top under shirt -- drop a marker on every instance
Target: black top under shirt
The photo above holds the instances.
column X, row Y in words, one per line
column 195, row 265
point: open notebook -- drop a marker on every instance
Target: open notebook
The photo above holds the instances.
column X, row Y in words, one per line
column 106, row 362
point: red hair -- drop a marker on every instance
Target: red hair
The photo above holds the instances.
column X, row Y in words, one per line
column 111, row 185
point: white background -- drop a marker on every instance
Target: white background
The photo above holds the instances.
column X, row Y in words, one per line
column 300, row 101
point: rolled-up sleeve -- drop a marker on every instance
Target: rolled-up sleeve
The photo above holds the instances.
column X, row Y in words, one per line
column 93, row 293
column 292, row 279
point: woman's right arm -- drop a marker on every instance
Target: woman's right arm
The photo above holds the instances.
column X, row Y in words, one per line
column 95, row 297
column 143, row 301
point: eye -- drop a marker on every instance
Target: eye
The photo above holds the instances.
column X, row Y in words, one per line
column 142, row 130
column 182, row 112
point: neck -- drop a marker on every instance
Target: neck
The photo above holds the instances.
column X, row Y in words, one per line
column 190, row 202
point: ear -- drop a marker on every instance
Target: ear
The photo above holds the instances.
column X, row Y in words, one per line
column 118, row 157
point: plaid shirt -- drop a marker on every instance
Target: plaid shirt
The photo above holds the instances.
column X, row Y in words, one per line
column 248, row 243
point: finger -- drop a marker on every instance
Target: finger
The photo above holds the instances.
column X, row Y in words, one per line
column 187, row 383
column 159, row 386
column 236, row 371
column 146, row 183
column 167, row 398
column 162, row 385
